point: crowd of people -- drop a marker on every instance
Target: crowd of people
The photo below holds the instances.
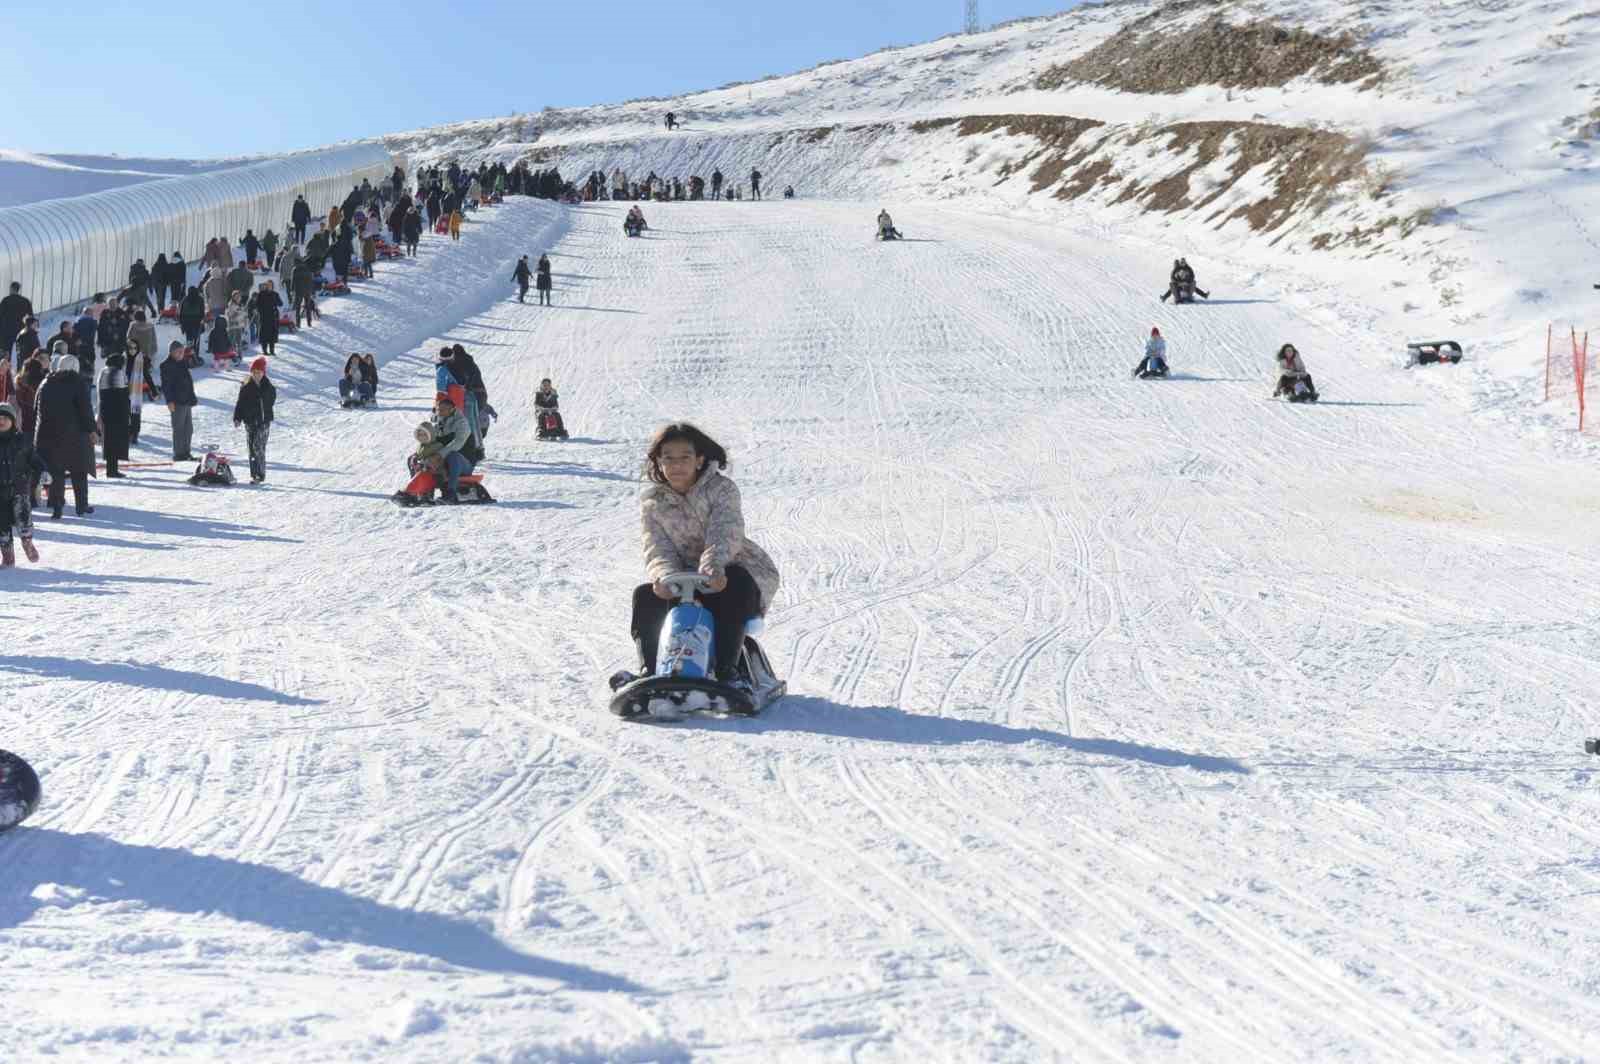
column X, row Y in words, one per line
column 83, row 387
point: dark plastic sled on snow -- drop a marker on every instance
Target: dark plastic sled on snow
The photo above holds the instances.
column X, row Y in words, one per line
column 1428, row 352
column 678, row 690
column 19, row 790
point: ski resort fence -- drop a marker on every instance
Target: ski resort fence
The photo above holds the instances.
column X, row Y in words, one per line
column 62, row 251
column 1567, row 369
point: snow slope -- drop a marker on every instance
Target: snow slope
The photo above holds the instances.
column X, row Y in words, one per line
column 1129, row 721
column 1470, row 219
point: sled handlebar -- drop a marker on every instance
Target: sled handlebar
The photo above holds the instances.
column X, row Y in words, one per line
column 685, row 585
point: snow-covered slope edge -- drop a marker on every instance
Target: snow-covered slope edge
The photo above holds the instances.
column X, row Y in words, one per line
column 1445, row 197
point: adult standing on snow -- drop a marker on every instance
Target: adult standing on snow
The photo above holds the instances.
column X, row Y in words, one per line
column 413, row 230
column 716, row 184
column 755, row 184
column 672, row 121
column 300, row 215
column 523, row 276
column 192, row 316
column 115, row 412
column 14, row 310
column 143, row 333
column 268, row 305
column 65, row 434
column 544, row 281
column 253, row 410
column 177, row 385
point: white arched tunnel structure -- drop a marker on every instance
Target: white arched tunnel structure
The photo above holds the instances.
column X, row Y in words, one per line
column 65, row 250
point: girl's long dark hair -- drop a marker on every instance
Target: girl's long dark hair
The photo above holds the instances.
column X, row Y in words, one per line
column 355, row 359
column 703, row 445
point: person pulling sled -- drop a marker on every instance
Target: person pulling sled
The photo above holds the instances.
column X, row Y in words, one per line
column 1154, row 362
column 546, row 404
column 1181, row 285
column 1294, row 383
column 886, row 229
column 692, row 623
column 445, row 449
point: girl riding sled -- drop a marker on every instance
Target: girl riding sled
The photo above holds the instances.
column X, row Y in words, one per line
column 693, row 521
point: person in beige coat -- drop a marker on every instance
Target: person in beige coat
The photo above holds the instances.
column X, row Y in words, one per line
column 692, row 521
column 1293, row 379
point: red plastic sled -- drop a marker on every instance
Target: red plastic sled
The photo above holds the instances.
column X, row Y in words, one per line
column 170, row 313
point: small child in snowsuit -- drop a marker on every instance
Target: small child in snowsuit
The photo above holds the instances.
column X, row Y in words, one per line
column 20, row 466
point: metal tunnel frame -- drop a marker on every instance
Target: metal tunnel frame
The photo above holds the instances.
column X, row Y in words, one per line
column 63, row 251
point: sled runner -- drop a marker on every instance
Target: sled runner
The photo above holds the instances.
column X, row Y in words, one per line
column 19, row 790
column 682, row 683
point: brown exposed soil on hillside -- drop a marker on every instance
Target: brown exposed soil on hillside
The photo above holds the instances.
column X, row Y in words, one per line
column 1142, row 58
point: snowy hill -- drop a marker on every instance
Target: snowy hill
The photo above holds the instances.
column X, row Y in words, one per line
column 1145, row 721
column 1443, row 153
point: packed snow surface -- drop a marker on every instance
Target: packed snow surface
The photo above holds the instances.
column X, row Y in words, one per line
column 1128, row 721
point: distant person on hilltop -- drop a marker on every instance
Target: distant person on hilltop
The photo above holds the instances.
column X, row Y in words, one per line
column 755, row 184
column 672, row 121
column 716, row 184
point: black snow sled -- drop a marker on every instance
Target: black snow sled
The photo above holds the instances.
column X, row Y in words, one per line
column 551, row 427
column 680, row 687
column 1429, row 352
column 19, row 790
column 1157, row 372
column 1185, row 291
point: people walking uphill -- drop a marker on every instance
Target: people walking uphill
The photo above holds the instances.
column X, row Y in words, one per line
column 251, row 245
column 15, row 309
column 1154, row 362
column 115, row 412
column 137, row 294
column 192, row 316
column 65, row 433
column 268, row 306
column 523, row 276
column 300, row 217
column 20, row 467
column 693, row 521
column 412, row 231
column 1294, row 382
column 455, row 223
column 253, row 410
column 543, row 282
column 269, row 249
column 177, row 387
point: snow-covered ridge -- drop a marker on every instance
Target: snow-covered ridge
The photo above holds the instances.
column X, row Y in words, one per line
column 1458, row 180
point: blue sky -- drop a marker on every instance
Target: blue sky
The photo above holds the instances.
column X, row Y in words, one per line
column 200, row 80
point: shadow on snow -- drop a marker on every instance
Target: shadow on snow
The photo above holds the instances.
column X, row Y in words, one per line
column 183, row 882
column 886, row 724
column 155, row 677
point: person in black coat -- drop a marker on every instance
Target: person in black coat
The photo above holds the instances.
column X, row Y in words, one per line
column 116, row 413
column 412, row 231
column 192, row 316
column 177, row 386
column 27, row 341
column 523, row 276
column 253, row 410
column 15, row 309
column 252, row 246
column 544, row 280
column 137, row 293
column 177, row 276
column 300, row 215
column 268, row 306
column 20, row 468
column 65, row 434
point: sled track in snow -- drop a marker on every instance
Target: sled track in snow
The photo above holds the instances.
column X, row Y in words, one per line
column 1108, row 738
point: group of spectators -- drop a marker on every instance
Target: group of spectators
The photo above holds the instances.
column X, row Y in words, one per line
column 667, row 189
